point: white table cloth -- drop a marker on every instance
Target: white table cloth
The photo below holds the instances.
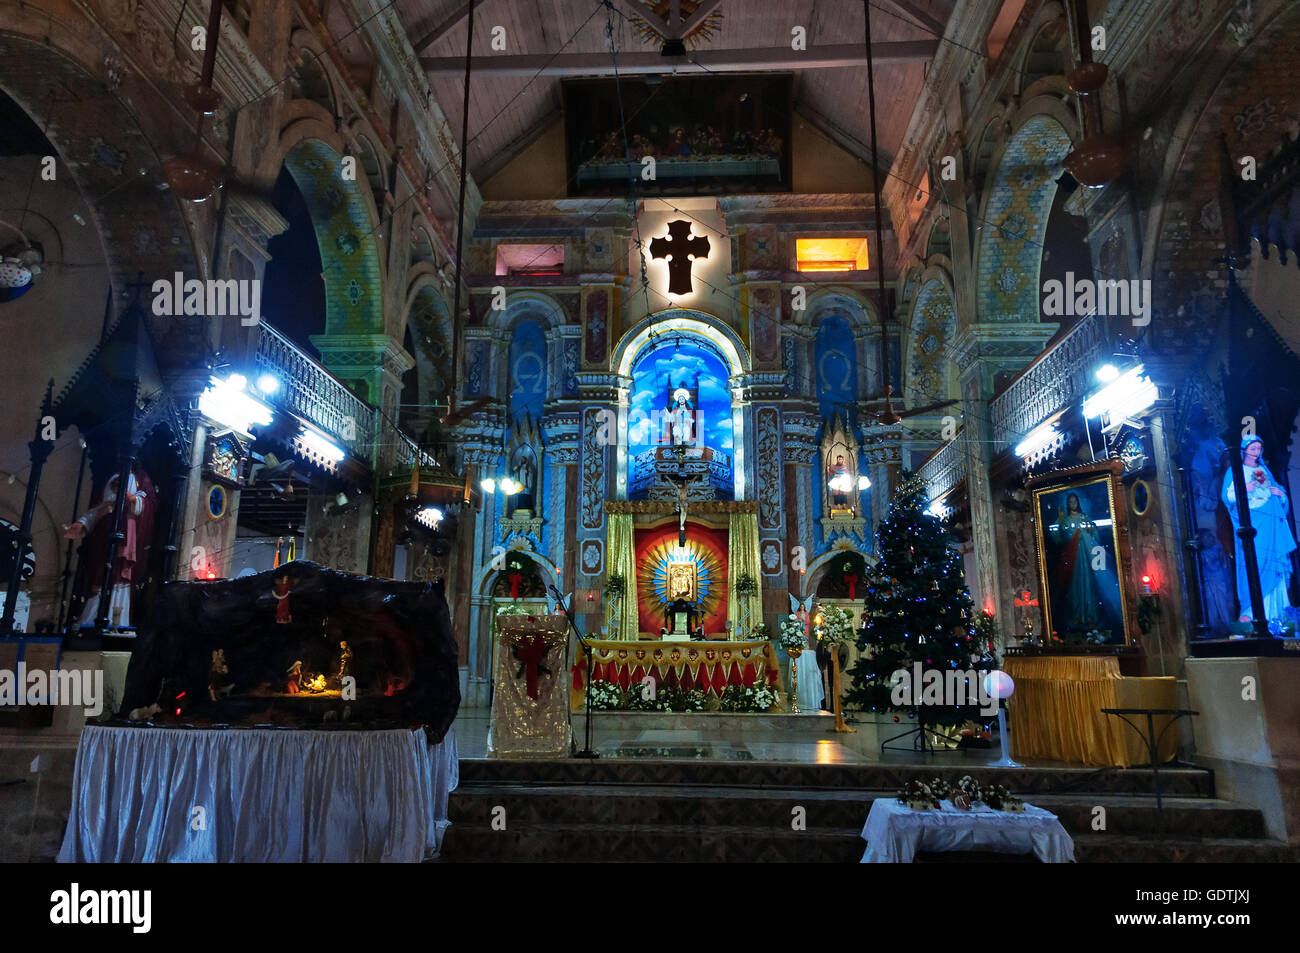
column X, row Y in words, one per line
column 810, row 687
column 257, row 795
column 894, row 832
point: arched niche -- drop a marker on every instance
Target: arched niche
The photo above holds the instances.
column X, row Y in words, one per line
column 428, row 340
column 664, row 330
column 931, row 330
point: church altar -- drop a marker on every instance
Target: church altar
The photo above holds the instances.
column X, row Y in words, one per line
column 710, row 666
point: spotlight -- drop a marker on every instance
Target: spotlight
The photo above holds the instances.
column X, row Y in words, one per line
column 489, row 485
column 268, row 384
column 1107, row 373
column 326, row 448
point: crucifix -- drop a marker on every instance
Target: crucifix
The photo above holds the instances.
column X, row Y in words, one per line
column 683, row 483
column 680, row 247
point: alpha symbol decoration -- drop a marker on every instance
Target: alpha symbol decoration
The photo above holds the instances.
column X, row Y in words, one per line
column 676, row 247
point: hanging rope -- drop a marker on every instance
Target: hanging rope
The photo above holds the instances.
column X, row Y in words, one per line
column 460, row 208
column 875, row 183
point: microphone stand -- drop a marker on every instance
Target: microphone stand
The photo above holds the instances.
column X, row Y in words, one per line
column 586, row 751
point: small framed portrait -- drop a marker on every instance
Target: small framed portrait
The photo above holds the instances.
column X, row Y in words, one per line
column 1083, row 559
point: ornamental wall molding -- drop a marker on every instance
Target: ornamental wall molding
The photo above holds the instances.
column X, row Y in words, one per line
column 1000, row 341
column 846, row 526
column 670, row 506
column 527, row 527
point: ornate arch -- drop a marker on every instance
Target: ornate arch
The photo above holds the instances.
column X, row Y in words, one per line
column 808, row 581
column 483, row 580
column 1014, row 218
column 142, row 228
column 525, row 304
column 345, row 231
column 684, row 320
column 853, row 306
column 931, row 330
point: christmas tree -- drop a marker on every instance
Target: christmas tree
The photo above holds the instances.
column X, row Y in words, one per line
column 917, row 609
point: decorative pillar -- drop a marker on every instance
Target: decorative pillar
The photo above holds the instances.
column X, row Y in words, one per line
column 981, row 352
column 799, row 423
column 40, row 451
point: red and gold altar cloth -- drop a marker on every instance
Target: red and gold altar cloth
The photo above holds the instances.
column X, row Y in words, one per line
column 710, row 666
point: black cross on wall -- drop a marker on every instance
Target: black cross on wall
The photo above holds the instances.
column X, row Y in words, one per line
column 679, row 244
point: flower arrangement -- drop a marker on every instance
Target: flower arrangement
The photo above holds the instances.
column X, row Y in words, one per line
column 640, row 697
column 916, row 794
column 741, row 698
column 835, row 627
column 1000, row 799
column 926, row 795
column 606, row 696
column 761, row 632
column 746, row 584
column 615, row 585
column 940, row 788
column 986, row 631
column 793, row 635
column 679, row 699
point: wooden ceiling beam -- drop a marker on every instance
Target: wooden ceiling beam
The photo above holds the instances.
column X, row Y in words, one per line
column 701, row 61
column 446, row 26
column 922, row 16
column 701, row 13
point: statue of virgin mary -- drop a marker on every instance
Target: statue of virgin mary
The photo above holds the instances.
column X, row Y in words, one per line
column 1273, row 540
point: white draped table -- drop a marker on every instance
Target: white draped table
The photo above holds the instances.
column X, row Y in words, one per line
column 894, row 832
column 257, row 795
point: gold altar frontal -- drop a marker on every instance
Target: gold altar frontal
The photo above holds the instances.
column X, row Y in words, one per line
column 1056, row 711
column 709, row 666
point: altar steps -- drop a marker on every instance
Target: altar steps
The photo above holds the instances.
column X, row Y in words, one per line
column 699, row 812
column 1182, row 780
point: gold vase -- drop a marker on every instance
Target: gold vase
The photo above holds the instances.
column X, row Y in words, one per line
column 794, row 654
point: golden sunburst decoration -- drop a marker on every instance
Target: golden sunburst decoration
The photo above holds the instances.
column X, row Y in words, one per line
column 658, row 564
column 701, row 34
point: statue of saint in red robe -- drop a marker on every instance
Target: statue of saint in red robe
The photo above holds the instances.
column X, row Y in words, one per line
column 128, row 568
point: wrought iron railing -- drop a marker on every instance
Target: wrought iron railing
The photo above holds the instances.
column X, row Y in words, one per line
column 944, row 468
column 1057, row 378
column 316, row 395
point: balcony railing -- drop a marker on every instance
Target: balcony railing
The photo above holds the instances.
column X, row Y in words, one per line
column 316, row 395
column 944, row 468
column 1056, row 379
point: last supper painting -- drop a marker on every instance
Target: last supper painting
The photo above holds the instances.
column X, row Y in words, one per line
column 646, row 431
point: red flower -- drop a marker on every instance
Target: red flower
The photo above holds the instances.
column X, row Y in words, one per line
column 1259, row 476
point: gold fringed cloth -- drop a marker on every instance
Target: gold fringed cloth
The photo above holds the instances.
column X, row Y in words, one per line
column 742, row 559
column 1056, row 711
column 710, row 666
column 620, row 562
column 529, row 716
